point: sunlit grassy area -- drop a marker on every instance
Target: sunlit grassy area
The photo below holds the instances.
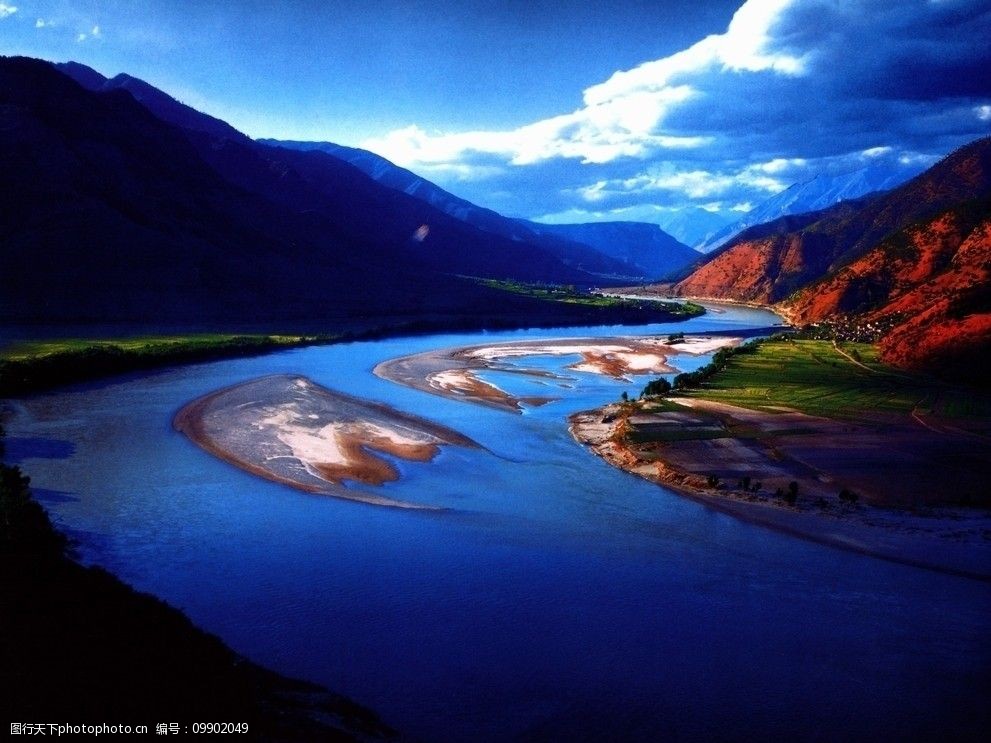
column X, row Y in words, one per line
column 572, row 295
column 815, row 377
column 35, row 365
column 150, row 344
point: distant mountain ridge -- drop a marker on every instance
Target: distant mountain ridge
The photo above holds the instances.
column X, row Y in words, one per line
column 820, row 192
column 644, row 247
column 626, row 251
column 634, row 250
column 917, row 258
column 692, row 226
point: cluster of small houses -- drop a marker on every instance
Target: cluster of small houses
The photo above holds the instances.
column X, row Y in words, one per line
column 848, row 330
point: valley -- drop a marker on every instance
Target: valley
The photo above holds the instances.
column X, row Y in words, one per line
column 604, row 372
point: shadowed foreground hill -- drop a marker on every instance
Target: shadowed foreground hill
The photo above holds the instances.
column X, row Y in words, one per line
column 112, row 213
column 365, row 195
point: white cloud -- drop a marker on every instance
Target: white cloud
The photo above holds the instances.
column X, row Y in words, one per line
column 660, row 214
column 94, row 33
column 638, row 213
column 7, row 10
column 918, row 159
column 622, row 117
column 41, row 23
column 781, row 164
column 744, row 47
column 875, row 152
column 462, row 172
column 596, row 134
column 789, row 90
column 693, row 184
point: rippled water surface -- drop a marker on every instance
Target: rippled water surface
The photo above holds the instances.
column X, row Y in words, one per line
column 557, row 599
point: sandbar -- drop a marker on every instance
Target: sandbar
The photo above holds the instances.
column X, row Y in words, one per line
column 454, row 372
column 291, row 430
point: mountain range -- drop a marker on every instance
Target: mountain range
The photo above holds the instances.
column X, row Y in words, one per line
column 591, row 259
column 914, row 263
column 815, row 194
column 124, row 204
column 692, row 225
column 643, row 250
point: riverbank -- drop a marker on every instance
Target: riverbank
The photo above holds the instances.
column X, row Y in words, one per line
column 822, row 442
column 661, row 293
column 33, row 364
column 79, row 646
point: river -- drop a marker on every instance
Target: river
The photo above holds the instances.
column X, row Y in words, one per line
column 557, row 598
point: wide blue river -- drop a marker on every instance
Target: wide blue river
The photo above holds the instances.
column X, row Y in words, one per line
column 557, row 598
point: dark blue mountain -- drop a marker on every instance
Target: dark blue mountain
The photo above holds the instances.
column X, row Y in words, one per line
column 315, row 181
column 112, row 212
column 164, row 106
column 623, row 251
column 647, row 250
column 612, row 259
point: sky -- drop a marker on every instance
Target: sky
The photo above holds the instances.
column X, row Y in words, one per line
column 562, row 110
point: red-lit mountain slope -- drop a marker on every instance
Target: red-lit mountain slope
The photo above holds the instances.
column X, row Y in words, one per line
column 915, row 261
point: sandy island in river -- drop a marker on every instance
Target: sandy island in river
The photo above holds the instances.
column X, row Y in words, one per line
column 687, row 441
column 287, row 429
column 454, row 372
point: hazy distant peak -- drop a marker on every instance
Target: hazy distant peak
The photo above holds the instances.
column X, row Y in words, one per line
column 819, row 192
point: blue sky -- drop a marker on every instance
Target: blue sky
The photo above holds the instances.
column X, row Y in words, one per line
column 565, row 110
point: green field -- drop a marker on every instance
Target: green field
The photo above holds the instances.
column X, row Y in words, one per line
column 573, row 295
column 150, row 344
column 35, row 365
column 817, row 378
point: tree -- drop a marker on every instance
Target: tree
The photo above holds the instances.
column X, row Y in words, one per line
column 656, row 388
column 24, row 524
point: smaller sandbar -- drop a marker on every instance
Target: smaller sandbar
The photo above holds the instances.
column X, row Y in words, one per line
column 288, row 429
column 454, row 372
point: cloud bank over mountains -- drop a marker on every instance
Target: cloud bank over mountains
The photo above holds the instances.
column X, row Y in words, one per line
column 791, row 89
